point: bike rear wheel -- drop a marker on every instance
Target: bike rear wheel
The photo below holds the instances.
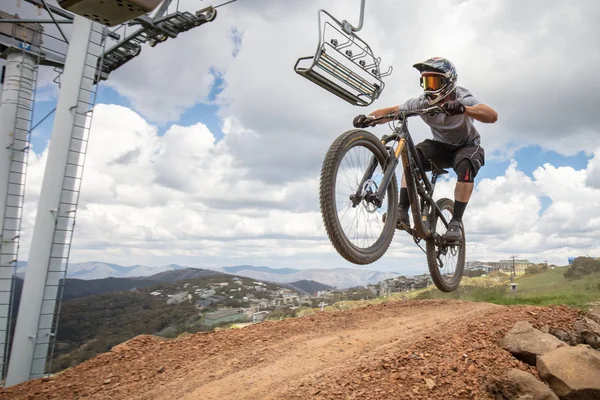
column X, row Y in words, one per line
column 441, row 255
column 344, row 166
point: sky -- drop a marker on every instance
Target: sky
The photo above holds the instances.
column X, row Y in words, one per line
column 206, row 150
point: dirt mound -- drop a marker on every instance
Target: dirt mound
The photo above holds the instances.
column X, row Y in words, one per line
column 397, row 350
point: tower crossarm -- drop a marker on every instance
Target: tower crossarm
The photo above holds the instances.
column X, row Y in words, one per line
column 151, row 32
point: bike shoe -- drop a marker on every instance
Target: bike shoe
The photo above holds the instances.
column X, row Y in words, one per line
column 403, row 219
column 454, row 231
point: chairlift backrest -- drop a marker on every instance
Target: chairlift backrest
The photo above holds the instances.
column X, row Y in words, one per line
column 343, row 64
column 111, row 12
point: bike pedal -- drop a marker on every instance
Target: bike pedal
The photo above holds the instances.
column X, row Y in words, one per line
column 404, row 227
column 452, row 243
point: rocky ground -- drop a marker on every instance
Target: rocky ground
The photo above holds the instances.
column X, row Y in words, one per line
column 438, row 349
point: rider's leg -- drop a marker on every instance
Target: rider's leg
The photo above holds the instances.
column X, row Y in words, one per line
column 403, row 205
column 428, row 150
column 404, row 201
column 462, row 195
column 468, row 161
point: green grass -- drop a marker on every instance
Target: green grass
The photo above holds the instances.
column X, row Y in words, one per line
column 543, row 289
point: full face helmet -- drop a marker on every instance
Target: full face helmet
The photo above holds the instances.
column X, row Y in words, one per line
column 438, row 78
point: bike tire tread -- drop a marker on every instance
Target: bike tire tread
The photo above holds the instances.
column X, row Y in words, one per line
column 327, row 197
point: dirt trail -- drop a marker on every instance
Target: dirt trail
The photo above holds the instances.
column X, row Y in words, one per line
column 396, row 350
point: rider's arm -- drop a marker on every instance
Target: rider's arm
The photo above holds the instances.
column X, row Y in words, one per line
column 482, row 113
column 409, row 105
column 383, row 111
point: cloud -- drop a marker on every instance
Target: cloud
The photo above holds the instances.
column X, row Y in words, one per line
column 183, row 71
column 593, row 178
column 186, row 196
column 154, row 199
column 144, row 191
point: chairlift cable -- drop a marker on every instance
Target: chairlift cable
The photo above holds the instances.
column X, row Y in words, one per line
column 223, row 4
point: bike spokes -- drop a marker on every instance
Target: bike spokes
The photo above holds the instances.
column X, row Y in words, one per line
column 446, row 254
column 445, row 260
column 360, row 219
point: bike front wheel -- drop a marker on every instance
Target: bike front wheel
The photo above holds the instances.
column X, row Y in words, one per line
column 354, row 223
column 446, row 260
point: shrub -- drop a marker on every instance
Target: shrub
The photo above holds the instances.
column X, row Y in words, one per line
column 473, row 273
column 533, row 269
column 582, row 266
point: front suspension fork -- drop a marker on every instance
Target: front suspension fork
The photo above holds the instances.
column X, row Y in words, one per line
column 377, row 197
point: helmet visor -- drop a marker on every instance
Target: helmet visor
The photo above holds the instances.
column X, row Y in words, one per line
column 432, row 82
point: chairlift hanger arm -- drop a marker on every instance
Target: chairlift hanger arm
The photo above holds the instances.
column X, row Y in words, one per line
column 348, row 28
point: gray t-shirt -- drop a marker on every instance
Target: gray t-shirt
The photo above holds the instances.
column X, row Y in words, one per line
column 456, row 129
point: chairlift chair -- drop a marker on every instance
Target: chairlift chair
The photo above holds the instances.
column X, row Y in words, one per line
column 110, row 12
column 344, row 64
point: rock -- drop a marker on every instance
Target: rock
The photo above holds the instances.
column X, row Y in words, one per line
column 567, row 337
column 589, row 331
column 572, row 372
column 594, row 311
column 528, row 387
column 525, row 342
column 161, row 369
column 545, row 329
column 430, row 383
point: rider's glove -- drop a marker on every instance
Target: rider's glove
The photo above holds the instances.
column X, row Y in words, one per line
column 454, row 108
column 361, row 121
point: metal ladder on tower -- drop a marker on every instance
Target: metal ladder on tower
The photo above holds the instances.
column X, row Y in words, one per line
column 15, row 195
column 69, row 199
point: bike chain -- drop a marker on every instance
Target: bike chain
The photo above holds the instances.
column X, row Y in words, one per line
column 417, row 240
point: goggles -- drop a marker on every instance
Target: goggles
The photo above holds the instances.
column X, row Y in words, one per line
column 432, row 82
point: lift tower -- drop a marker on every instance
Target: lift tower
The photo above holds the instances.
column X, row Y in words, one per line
column 22, row 46
column 86, row 63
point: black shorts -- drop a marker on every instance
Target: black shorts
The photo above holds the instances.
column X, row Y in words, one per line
column 445, row 155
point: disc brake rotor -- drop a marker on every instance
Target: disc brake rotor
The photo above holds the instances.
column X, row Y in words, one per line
column 369, row 187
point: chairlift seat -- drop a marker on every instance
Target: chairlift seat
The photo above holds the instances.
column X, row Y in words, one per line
column 111, row 12
column 343, row 64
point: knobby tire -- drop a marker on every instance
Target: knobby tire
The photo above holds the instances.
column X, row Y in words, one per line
column 329, row 170
column 431, row 248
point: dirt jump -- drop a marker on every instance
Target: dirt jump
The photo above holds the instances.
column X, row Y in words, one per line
column 430, row 349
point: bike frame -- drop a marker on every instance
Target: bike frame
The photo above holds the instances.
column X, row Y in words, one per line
column 418, row 184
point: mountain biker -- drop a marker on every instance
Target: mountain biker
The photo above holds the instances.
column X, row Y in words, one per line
column 456, row 142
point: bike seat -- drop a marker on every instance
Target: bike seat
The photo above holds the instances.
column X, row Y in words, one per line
column 437, row 170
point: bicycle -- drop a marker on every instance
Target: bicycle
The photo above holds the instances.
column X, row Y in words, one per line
column 376, row 182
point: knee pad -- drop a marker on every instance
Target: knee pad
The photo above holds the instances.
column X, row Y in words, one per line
column 464, row 171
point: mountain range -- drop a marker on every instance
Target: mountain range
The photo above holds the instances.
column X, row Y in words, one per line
column 340, row 278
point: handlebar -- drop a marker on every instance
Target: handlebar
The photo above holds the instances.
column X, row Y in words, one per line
column 430, row 110
column 400, row 115
column 406, row 114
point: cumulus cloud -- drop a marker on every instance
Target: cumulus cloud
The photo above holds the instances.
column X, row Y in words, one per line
column 178, row 197
column 177, row 193
column 186, row 196
column 593, row 178
column 506, row 214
